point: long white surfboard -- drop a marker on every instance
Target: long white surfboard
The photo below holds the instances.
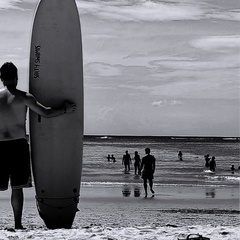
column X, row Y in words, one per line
column 56, row 74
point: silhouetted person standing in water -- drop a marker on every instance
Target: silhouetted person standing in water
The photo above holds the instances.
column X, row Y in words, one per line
column 148, row 166
column 137, row 163
column 207, row 159
column 113, row 158
column 14, row 148
column 180, row 155
column 212, row 164
column 126, row 161
column 232, row 169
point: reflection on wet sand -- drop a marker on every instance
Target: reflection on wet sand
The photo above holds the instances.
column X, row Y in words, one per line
column 137, row 191
column 210, row 193
column 126, row 190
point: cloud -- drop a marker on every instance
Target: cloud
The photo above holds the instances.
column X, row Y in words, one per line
column 21, row 5
column 233, row 15
column 139, row 10
column 217, row 42
column 220, row 52
column 231, row 61
column 10, row 4
column 161, row 103
column 176, row 102
column 104, row 113
column 101, row 70
column 147, row 10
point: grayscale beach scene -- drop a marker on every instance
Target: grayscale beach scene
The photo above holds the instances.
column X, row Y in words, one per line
column 161, row 78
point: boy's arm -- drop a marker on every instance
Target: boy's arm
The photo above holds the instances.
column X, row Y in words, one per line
column 44, row 111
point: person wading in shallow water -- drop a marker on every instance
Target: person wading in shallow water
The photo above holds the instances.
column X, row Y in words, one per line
column 148, row 166
column 137, row 163
column 14, row 148
column 126, row 160
column 212, row 164
column 180, row 155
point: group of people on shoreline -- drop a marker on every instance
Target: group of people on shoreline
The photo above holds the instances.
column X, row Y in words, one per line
column 127, row 160
column 144, row 167
column 109, row 158
column 210, row 162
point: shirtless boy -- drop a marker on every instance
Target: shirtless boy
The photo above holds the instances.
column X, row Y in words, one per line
column 14, row 149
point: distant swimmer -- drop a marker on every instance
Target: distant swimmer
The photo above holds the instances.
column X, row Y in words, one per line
column 148, row 166
column 207, row 159
column 137, row 163
column 126, row 160
column 113, row 158
column 233, row 169
column 108, row 157
column 180, row 155
column 212, row 164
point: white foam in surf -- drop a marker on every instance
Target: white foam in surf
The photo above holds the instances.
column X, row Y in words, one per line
column 132, row 233
column 224, row 178
column 112, row 184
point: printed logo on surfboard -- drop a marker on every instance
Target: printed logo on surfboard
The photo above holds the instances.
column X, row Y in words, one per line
column 37, row 62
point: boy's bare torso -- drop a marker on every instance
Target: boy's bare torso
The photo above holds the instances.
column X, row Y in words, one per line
column 12, row 115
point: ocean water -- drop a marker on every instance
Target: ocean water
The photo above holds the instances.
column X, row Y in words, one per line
column 169, row 170
column 187, row 201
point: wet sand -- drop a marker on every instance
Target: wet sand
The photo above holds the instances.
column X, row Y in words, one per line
column 173, row 209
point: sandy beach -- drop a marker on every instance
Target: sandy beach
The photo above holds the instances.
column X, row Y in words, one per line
column 106, row 213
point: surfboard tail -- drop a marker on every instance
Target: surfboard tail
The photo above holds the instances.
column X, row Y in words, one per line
column 57, row 213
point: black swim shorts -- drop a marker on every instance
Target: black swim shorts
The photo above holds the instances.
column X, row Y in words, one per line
column 147, row 174
column 15, row 164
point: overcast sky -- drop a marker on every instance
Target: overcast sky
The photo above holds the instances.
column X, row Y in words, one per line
column 151, row 67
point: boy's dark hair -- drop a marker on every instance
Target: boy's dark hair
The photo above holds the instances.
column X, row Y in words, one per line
column 147, row 150
column 8, row 71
